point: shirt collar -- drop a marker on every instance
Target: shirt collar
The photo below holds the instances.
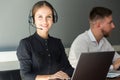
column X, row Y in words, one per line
column 92, row 37
column 40, row 38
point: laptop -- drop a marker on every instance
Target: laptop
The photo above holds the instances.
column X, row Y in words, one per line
column 93, row 66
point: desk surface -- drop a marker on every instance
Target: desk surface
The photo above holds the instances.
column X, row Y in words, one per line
column 114, row 79
column 7, row 56
column 10, row 65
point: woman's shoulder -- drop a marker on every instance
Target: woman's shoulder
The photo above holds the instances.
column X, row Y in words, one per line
column 26, row 39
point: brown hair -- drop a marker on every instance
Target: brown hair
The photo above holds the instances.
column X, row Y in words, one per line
column 99, row 13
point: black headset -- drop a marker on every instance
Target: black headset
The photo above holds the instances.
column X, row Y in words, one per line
column 55, row 16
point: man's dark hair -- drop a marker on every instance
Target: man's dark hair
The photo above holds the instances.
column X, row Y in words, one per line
column 99, row 13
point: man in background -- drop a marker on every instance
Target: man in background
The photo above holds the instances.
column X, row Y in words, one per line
column 94, row 40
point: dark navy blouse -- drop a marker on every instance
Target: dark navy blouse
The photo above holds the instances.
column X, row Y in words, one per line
column 40, row 56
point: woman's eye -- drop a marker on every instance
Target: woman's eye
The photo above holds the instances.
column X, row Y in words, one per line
column 39, row 16
column 49, row 16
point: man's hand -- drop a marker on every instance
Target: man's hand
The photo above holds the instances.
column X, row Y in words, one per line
column 116, row 64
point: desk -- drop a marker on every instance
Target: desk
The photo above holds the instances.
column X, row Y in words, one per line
column 9, row 70
column 9, row 66
column 114, row 79
column 8, row 61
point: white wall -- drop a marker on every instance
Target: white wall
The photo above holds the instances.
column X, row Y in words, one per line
column 13, row 22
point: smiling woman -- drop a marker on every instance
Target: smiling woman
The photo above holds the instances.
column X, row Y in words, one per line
column 42, row 56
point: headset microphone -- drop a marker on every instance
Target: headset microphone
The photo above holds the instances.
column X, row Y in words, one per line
column 36, row 27
column 40, row 28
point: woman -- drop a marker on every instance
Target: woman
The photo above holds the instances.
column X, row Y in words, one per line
column 41, row 56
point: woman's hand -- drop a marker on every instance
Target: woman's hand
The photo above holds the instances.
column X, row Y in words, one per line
column 60, row 75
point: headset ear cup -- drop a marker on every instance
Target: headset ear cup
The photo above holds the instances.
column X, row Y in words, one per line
column 30, row 20
column 55, row 16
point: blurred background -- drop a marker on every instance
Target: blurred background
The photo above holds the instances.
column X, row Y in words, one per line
column 73, row 20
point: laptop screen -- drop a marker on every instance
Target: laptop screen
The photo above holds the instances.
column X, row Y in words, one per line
column 93, row 65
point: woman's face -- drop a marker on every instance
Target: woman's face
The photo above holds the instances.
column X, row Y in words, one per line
column 43, row 18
